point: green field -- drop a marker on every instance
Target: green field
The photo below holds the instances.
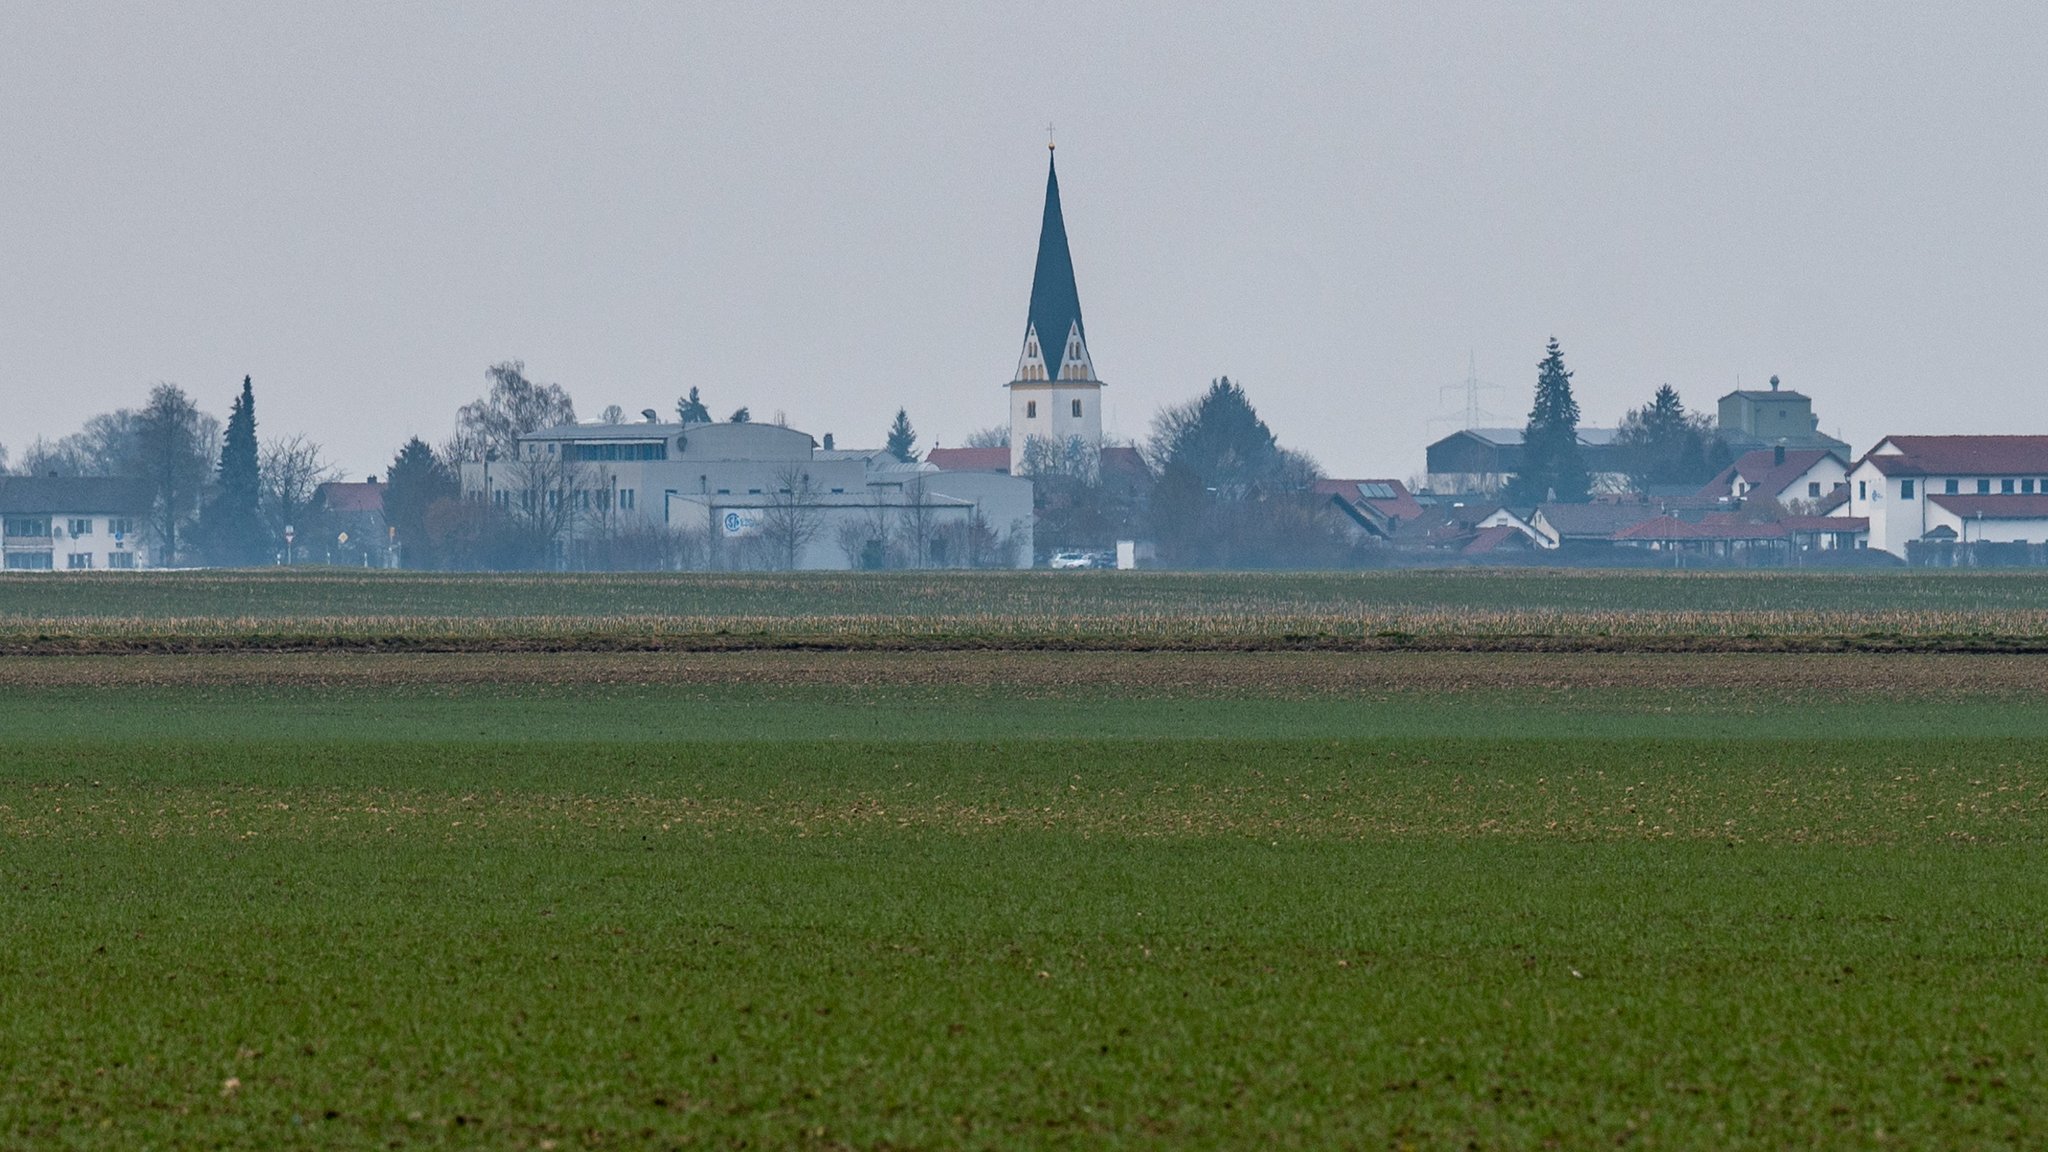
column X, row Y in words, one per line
column 1024, row 899
column 1497, row 609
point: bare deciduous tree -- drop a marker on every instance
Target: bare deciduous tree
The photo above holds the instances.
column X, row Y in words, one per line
column 792, row 519
column 288, row 471
column 865, row 539
column 917, row 523
column 541, row 504
column 513, row 407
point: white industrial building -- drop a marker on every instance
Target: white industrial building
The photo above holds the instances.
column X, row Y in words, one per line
column 760, row 495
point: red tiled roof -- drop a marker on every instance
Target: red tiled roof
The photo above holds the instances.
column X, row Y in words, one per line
column 1498, row 536
column 1826, row 523
column 1720, row 527
column 1761, row 470
column 340, row 496
column 1995, row 507
column 1398, row 503
column 1125, row 460
column 969, row 459
column 1962, row 455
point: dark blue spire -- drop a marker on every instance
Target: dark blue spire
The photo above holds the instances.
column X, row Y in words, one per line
column 1055, row 302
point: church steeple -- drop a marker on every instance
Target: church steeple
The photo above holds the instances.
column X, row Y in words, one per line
column 1055, row 397
column 1055, row 339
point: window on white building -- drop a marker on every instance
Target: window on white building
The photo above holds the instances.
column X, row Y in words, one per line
column 120, row 559
column 2005, row 486
column 120, row 526
column 1983, row 487
column 79, row 526
column 78, row 561
column 1949, row 486
column 1812, row 489
column 1862, row 490
column 1077, row 409
column 1905, row 489
column 1031, row 409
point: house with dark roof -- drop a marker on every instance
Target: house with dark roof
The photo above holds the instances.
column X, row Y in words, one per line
column 1595, row 524
column 1952, row 490
column 1788, row 476
column 74, row 523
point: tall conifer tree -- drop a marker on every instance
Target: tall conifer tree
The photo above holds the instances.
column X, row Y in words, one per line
column 902, row 439
column 1553, row 468
column 231, row 526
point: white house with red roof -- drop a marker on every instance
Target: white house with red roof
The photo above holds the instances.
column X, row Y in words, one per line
column 1787, row 475
column 1952, row 489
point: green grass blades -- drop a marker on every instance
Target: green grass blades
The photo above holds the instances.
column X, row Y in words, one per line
column 1523, row 901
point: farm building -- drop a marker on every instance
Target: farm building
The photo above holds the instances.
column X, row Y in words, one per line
column 1480, row 461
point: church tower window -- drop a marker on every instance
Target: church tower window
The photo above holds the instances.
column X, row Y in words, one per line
column 1031, row 409
column 1077, row 409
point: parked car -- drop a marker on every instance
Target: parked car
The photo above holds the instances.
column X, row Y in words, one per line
column 1071, row 560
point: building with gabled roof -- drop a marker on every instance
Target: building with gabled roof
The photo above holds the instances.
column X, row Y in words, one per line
column 1907, row 487
column 1376, row 507
column 74, row 523
column 1481, row 461
column 1558, row 525
column 969, row 459
column 1055, row 393
column 1785, row 475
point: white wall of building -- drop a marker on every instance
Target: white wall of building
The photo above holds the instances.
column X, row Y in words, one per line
column 76, row 542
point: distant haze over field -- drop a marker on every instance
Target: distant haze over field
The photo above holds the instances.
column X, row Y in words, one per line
column 831, row 213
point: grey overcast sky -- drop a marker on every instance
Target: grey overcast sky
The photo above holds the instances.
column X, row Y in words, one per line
column 830, row 210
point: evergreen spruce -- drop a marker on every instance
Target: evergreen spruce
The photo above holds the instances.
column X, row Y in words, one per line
column 231, row 525
column 691, row 409
column 902, row 439
column 416, row 481
column 1552, row 466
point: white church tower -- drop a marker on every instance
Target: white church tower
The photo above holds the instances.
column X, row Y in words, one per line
column 1055, row 395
